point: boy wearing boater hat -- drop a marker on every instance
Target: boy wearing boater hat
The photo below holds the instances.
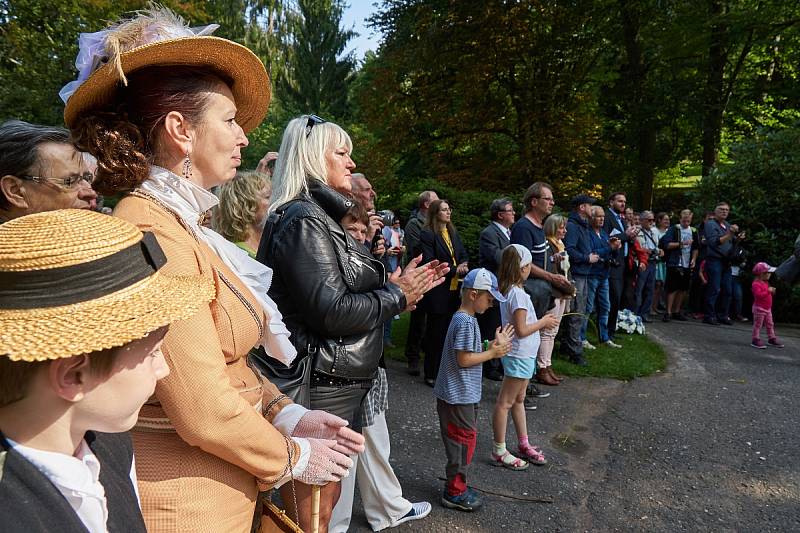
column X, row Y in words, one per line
column 83, row 311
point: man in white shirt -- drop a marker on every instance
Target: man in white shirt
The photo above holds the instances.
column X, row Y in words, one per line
column 645, row 282
column 79, row 356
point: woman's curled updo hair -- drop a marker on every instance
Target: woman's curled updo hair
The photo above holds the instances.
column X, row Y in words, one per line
column 125, row 139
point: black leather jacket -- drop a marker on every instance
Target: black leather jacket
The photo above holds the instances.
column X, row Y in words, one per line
column 327, row 286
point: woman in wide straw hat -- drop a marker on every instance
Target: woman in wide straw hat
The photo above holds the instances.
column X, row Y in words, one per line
column 79, row 355
column 164, row 109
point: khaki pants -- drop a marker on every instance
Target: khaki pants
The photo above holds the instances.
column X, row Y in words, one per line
column 381, row 494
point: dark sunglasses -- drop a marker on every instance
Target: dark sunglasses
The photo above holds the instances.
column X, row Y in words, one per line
column 313, row 120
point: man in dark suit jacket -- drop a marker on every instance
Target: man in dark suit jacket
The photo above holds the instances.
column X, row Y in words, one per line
column 616, row 226
column 493, row 240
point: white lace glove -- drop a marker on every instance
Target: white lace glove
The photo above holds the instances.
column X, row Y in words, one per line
column 323, row 425
column 324, row 465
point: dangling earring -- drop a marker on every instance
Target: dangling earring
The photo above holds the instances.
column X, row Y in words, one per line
column 187, row 167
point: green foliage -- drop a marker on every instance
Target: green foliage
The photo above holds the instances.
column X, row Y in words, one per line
column 38, row 45
column 761, row 186
column 484, row 94
column 319, row 73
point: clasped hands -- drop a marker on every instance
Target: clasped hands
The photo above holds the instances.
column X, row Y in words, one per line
column 331, row 442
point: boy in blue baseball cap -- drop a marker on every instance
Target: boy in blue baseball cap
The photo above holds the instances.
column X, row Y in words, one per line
column 458, row 384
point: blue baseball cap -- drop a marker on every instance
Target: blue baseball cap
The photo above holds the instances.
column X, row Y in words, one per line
column 483, row 280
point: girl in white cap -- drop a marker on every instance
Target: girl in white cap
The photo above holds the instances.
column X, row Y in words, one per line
column 519, row 365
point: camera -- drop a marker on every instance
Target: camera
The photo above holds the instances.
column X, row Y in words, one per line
column 387, row 217
column 611, row 262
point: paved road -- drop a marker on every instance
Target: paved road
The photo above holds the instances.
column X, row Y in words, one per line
column 711, row 444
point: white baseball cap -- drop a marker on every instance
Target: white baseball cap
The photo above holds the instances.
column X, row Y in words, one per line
column 525, row 257
column 483, row 280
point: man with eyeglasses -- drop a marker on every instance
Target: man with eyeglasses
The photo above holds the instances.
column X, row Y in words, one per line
column 720, row 239
column 538, row 202
column 40, row 170
column 618, row 226
column 646, row 280
column 493, row 240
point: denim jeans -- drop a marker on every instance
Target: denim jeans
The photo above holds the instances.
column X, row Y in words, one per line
column 597, row 292
column 718, row 289
column 645, row 286
column 736, row 297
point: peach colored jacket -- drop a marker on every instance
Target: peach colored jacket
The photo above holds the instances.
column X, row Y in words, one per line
column 203, row 448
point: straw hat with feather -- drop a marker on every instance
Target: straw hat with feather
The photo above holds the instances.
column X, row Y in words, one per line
column 157, row 36
column 74, row 281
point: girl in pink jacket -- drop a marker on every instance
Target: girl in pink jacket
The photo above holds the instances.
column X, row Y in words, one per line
column 762, row 306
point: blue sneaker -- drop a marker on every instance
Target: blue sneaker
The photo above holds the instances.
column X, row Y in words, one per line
column 467, row 501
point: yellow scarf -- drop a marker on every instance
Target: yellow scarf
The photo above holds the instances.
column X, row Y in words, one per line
column 559, row 246
column 449, row 244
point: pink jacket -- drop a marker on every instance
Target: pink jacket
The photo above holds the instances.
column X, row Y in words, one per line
column 762, row 298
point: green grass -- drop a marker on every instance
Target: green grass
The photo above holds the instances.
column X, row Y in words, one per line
column 638, row 357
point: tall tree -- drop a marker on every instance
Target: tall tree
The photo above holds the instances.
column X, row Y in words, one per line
column 319, row 70
column 489, row 94
column 735, row 28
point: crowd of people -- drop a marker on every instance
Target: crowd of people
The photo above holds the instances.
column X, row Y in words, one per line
column 220, row 338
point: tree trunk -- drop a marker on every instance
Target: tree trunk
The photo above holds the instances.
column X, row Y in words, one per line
column 647, row 164
column 635, row 71
column 714, row 94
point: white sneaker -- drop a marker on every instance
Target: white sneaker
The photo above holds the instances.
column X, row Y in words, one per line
column 612, row 344
column 418, row 510
column 588, row 345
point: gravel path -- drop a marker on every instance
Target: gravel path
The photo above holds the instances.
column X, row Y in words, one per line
column 711, row 444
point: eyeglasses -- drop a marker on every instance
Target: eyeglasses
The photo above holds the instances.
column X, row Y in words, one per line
column 546, row 198
column 69, row 182
column 446, row 210
column 507, row 211
column 313, row 120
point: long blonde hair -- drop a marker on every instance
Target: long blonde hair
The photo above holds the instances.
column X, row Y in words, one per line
column 302, row 157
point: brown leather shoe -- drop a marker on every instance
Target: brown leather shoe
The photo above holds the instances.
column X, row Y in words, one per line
column 544, row 377
column 554, row 375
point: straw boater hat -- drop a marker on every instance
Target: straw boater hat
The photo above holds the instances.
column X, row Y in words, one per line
column 158, row 37
column 76, row 281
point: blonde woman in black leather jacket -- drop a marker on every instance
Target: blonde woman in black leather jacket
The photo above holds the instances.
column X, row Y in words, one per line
column 334, row 296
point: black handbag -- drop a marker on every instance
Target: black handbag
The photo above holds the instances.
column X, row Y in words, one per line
column 293, row 381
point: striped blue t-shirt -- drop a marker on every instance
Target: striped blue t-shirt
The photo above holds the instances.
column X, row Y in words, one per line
column 454, row 384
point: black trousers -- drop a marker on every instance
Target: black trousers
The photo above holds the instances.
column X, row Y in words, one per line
column 416, row 332
column 629, row 289
column 616, row 287
column 435, row 334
